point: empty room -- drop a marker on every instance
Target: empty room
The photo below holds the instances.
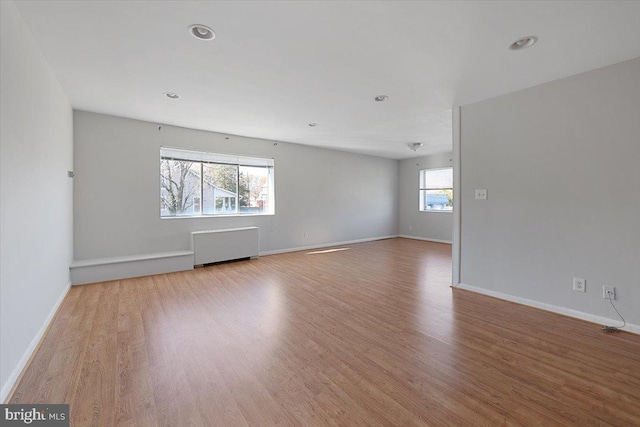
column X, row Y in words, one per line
column 319, row 213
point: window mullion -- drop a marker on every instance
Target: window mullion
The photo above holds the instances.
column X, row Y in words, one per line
column 238, row 189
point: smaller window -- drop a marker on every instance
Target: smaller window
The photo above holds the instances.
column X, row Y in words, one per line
column 436, row 190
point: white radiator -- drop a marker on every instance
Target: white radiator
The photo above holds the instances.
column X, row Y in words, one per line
column 224, row 245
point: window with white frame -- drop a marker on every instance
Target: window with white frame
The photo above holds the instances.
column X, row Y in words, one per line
column 194, row 183
column 436, row 190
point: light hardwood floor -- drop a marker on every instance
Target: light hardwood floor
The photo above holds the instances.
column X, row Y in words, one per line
column 372, row 335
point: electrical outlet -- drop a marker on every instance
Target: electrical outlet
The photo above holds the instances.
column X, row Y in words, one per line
column 306, row 235
column 579, row 285
column 411, row 228
column 481, row 194
column 609, row 292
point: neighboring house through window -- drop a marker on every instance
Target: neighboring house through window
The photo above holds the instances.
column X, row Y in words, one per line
column 205, row 184
column 436, row 190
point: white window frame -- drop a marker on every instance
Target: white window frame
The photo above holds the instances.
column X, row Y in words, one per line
column 170, row 153
column 423, row 188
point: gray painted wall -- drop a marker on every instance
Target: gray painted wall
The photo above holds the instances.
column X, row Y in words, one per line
column 35, row 194
column 561, row 163
column 333, row 196
column 427, row 225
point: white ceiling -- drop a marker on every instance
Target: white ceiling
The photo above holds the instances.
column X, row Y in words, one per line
column 274, row 67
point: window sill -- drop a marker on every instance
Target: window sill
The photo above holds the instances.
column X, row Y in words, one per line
column 437, row 211
column 216, row 216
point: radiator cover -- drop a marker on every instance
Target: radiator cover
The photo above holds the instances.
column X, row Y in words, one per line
column 224, row 245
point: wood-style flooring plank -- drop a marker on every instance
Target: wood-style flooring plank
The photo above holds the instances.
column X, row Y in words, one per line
column 368, row 336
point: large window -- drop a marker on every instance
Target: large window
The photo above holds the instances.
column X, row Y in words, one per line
column 436, row 190
column 202, row 184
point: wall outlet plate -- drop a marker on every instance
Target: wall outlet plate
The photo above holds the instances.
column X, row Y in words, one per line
column 609, row 292
column 579, row 285
column 481, row 194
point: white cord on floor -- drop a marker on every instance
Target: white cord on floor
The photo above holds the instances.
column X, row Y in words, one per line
column 614, row 328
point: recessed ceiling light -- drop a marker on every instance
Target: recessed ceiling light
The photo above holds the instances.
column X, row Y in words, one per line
column 381, row 98
column 523, row 43
column 172, row 95
column 202, row 32
column 313, row 125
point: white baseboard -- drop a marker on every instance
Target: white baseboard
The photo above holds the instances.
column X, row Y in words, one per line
column 325, row 245
column 115, row 268
column 550, row 307
column 425, row 239
column 15, row 374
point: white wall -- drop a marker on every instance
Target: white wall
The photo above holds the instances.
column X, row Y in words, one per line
column 436, row 226
column 333, row 196
column 35, row 194
column 561, row 163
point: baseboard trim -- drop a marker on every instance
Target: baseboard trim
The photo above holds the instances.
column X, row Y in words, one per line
column 325, row 245
column 115, row 268
column 600, row 320
column 9, row 386
column 426, row 239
